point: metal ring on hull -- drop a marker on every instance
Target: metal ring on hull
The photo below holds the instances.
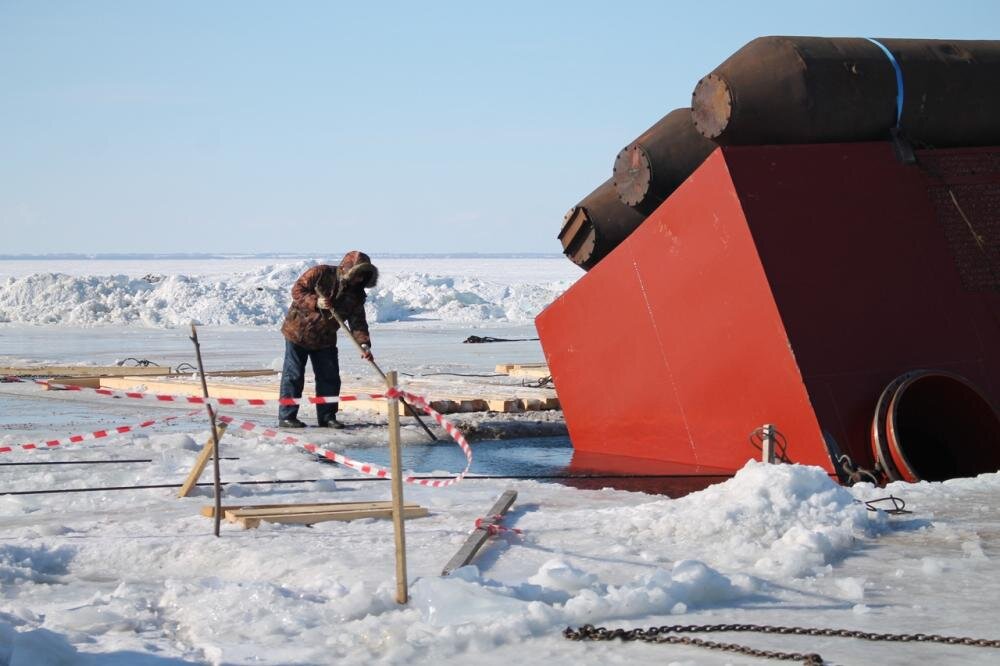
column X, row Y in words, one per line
column 880, row 446
column 933, row 425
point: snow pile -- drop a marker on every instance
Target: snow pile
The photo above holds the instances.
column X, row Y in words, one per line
column 710, row 548
column 458, row 299
column 257, row 298
column 784, row 520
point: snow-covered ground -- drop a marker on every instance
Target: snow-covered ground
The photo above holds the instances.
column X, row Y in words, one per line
column 247, row 292
column 136, row 576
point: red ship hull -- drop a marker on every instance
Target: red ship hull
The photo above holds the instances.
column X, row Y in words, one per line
column 784, row 285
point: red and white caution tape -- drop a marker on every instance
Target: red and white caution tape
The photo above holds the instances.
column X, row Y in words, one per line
column 370, row 469
column 98, row 434
column 363, row 467
column 198, row 400
column 494, row 528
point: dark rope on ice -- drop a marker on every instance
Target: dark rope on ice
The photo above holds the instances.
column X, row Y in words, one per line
column 138, row 362
column 898, row 505
column 123, row 461
column 477, row 339
column 362, row 479
column 153, row 486
column 541, row 382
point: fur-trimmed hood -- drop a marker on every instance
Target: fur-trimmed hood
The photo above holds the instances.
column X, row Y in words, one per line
column 356, row 262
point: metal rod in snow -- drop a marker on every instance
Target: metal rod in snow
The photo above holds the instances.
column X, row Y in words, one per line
column 767, row 444
column 217, row 482
column 361, row 349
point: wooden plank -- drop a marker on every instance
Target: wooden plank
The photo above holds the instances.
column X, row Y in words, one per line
column 531, row 373
column 82, row 371
column 318, row 508
column 249, row 522
column 209, row 509
column 505, row 401
column 268, row 392
column 479, row 535
column 506, row 405
column 201, row 461
column 445, row 406
column 86, row 382
column 190, row 387
column 472, row 405
column 526, row 370
column 262, row 372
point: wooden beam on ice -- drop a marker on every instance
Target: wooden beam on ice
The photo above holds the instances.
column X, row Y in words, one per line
column 509, row 400
column 276, row 509
column 175, row 387
column 525, row 370
column 250, row 522
column 479, row 535
column 306, row 514
column 82, row 371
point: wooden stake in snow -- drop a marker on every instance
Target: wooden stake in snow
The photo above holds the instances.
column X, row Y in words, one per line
column 481, row 533
column 396, row 466
column 199, row 464
column 215, row 432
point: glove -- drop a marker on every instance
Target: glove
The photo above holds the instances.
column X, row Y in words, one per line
column 322, row 303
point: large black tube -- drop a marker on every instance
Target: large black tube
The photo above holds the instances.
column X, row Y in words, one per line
column 650, row 168
column 816, row 89
column 596, row 225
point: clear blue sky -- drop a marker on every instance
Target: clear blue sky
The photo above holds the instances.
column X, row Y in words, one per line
column 395, row 127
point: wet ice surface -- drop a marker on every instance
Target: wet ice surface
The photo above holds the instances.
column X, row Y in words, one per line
column 136, row 577
column 406, row 347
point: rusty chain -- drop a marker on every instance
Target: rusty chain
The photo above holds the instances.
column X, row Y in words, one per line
column 667, row 634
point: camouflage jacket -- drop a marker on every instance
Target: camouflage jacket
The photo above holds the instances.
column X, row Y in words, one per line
column 308, row 326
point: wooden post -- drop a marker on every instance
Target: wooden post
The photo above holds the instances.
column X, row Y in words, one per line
column 396, row 466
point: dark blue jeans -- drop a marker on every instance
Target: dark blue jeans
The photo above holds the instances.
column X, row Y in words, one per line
column 326, row 368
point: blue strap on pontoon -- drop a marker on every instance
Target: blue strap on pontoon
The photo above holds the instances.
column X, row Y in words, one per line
column 899, row 77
